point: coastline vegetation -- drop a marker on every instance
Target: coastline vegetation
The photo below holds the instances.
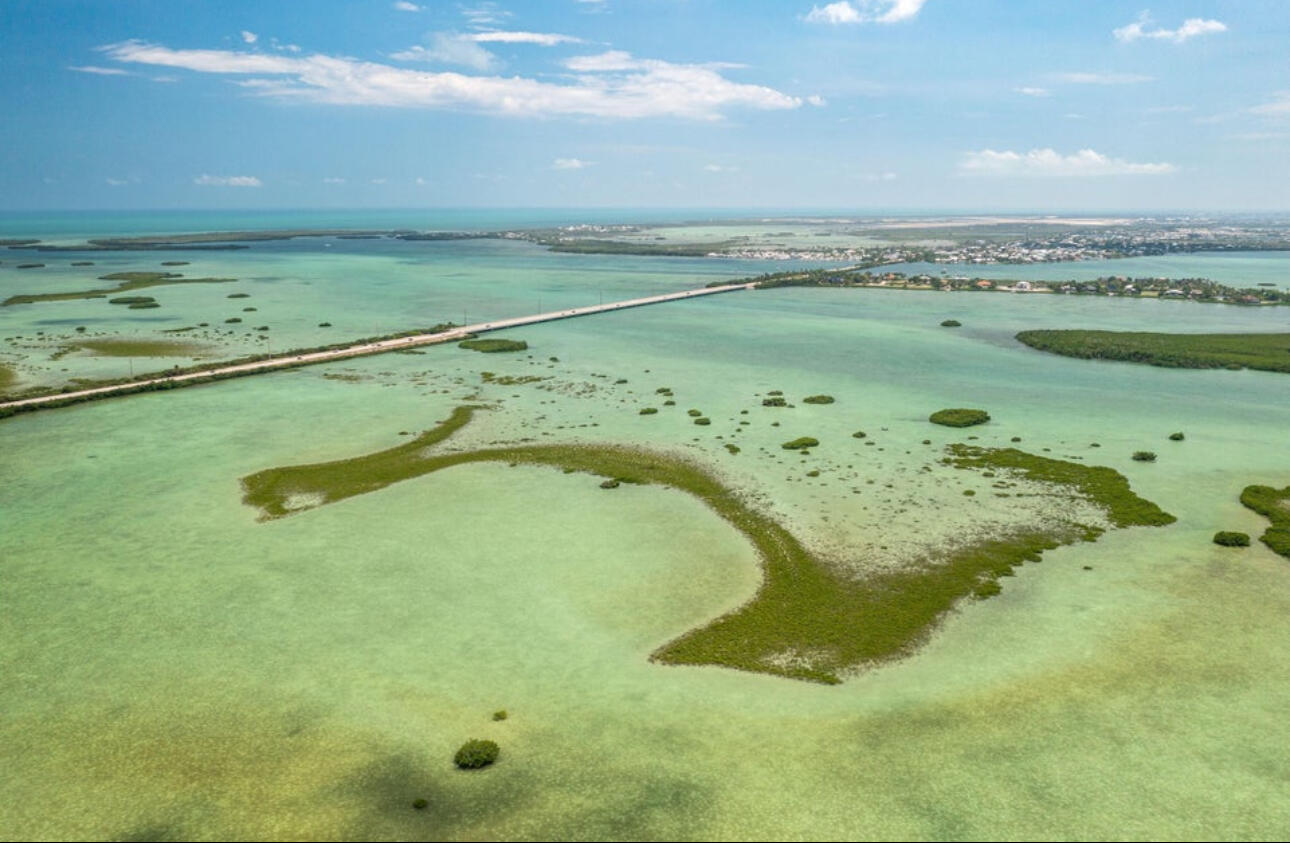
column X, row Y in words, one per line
column 127, row 281
column 1274, row 505
column 818, row 399
column 1266, row 352
column 808, row 620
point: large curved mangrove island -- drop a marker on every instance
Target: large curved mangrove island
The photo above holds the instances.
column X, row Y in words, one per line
column 1268, row 352
column 808, row 620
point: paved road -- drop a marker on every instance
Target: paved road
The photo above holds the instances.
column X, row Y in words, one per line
column 364, row 349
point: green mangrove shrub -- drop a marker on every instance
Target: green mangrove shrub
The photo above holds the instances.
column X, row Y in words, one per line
column 1232, row 538
column 475, row 754
column 818, row 399
column 1144, row 456
column 800, row 443
column 493, row 346
column 951, row 323
column 959, row 417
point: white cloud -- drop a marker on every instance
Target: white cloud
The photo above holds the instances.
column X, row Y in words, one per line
column 421, row 181
column 101, row 71
column 405, row 6
column 333, row 180
column 544, row 39
column 484, row 14
column 1279, row 107
column 450, row 48
column 1169, row 109
column 622, row 88
column 865, row 11
column 817, row 101
column 720, row 168
column 207, row 180
column 1190, row 28
column 1085, row 78
column 380, row 181
column 1031, row 91
column 569, row 164
column 116, row 182
column 887, row 176
column 249, row 37
column 1049, row 163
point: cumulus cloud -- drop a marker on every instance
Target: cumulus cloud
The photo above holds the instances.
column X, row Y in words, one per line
column 1049, row 163
column 865, row 11
column 1190, row 28
column 100, row 71
column 249, row 37
column 450, row 48
column 569, row 164
column 207, row 180
column 543, row 39
column 116, row 182
column 1086, row 78
column 1279, row 107
column 405, row 6
column 333, row 180
column 618, row 86
column 720, row 168
column 1031, row 91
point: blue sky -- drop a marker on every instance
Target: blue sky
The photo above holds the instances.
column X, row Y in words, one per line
column 863, row 104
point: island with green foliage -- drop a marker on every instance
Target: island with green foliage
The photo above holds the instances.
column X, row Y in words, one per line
column 1274, row 505
column 493, row 346
column 1267, row 352
column 809, row 619
column 959, row 417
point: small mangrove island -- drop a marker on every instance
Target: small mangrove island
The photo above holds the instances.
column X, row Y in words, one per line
column 959, row 417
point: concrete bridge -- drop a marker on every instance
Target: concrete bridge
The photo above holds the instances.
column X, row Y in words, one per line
column 290, row 360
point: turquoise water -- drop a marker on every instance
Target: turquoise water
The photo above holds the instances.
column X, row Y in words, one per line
column 172, row 668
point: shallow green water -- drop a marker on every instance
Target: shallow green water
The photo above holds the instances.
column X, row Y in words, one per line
column 172, row 668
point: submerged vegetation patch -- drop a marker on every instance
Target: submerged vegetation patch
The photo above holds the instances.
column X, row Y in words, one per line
column 127, row 281
column 1267, row 352
column 493, row 346
column 8, row 377
column 818, row 399
column 808, row 620
column 140, row 348
column 959, row 417
column 1274, row 505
